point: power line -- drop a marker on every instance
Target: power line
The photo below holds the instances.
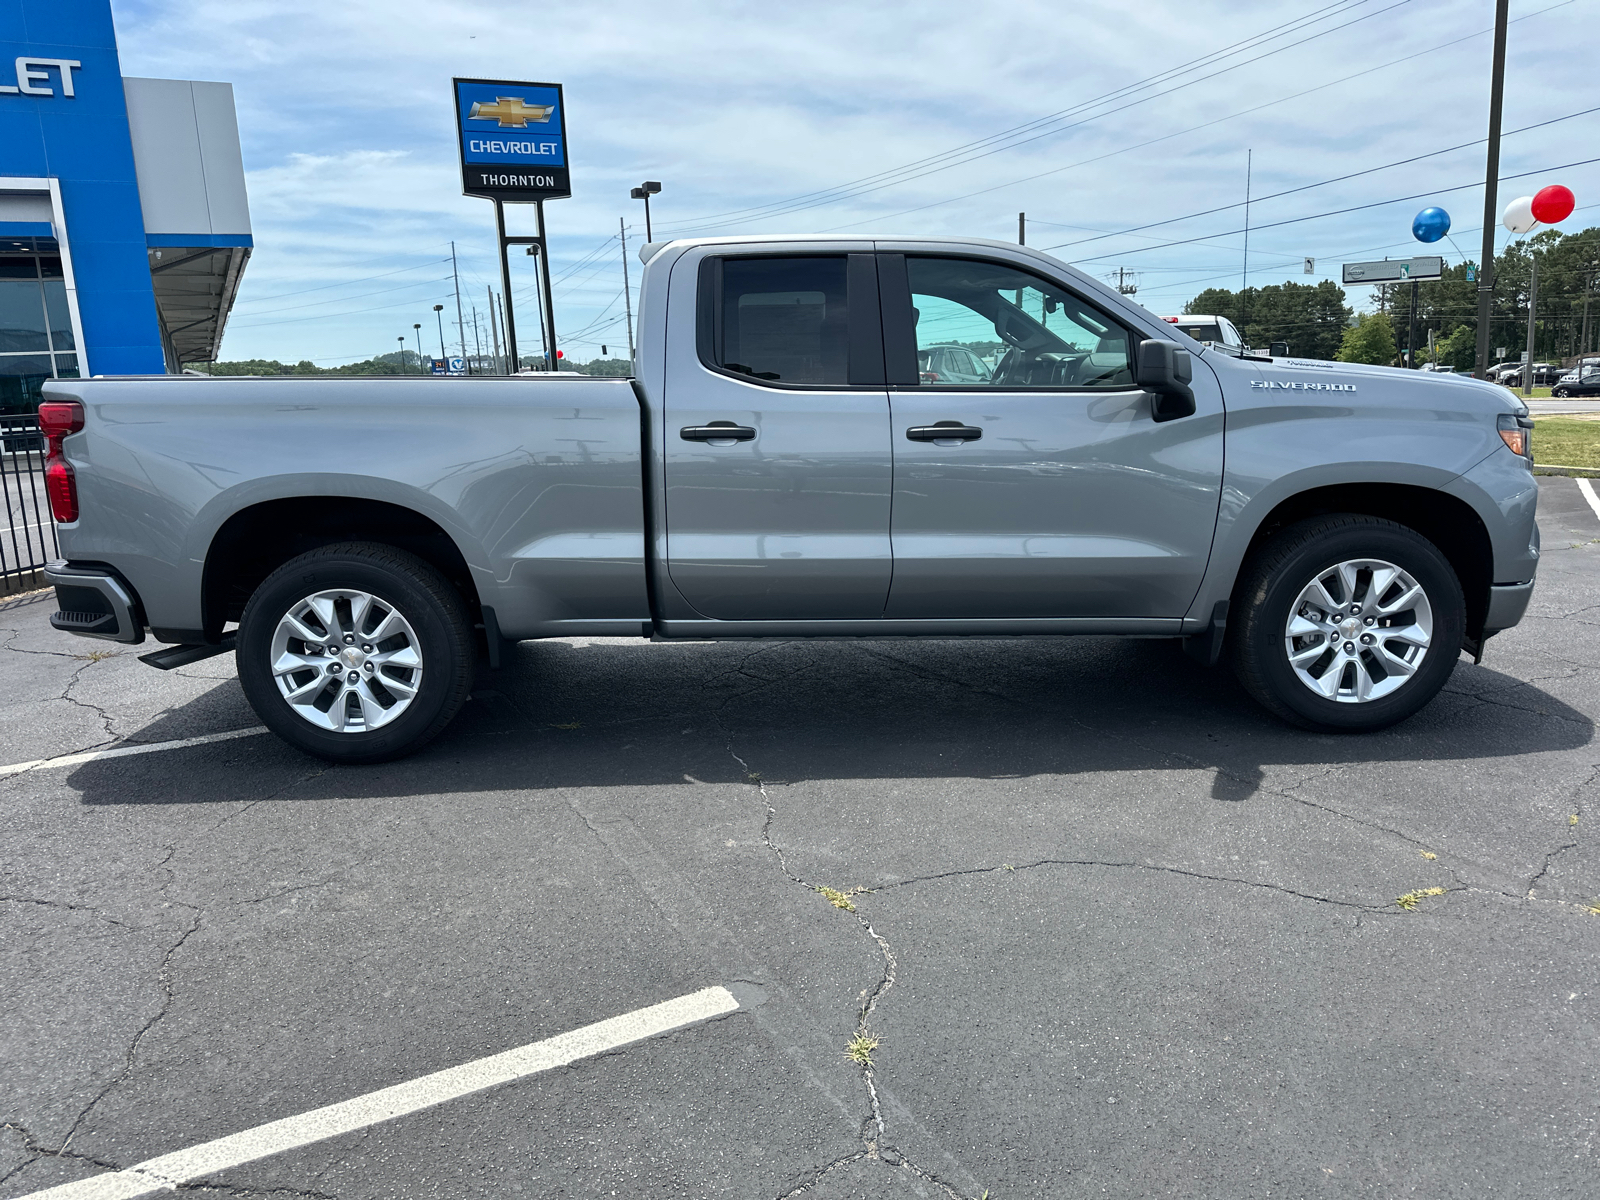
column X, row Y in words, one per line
column 1323, row 182
column 1192, row 129
column 908, row 172
column 1340, row 211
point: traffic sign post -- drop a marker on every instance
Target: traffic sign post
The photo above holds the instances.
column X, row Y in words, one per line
column 513, row 138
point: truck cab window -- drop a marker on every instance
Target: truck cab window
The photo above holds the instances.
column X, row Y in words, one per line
column 980, row 324
column 785, row 320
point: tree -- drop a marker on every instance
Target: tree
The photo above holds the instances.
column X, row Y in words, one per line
column 1369, row 340
column 1310, row 317
column 1460, row 349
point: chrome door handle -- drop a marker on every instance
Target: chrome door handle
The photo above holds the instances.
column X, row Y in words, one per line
column 717, row 431
column 941, row 431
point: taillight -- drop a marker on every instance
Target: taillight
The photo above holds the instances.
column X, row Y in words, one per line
column 61, row 485
column 57, row 418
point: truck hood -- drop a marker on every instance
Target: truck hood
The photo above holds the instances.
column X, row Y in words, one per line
column 1454, row 391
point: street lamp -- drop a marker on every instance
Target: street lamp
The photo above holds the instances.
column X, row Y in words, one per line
column 417, row 325
column 649, row 188
column 437, row 310
column 402, row 354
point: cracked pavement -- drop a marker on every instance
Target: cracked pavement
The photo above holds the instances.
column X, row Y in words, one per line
column 1113, row 930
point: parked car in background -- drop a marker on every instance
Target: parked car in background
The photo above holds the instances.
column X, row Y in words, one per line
column 952, row 364
column 1584, row 382
column 1544, row 374
column 1212, row 330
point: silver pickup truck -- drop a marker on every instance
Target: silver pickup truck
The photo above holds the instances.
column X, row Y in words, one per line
column 783, row 466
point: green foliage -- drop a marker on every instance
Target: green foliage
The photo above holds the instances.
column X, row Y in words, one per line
column 401, row 363
column 1310, row 317
column 1369, row 340
column 614, row 368
column 1460, row 349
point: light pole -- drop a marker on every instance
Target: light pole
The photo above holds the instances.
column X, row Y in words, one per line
column 402, row 354
column 438, row 313
column 643, row 192
column 417, row 325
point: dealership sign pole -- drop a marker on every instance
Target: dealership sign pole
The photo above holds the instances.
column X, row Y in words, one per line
column 514, row 151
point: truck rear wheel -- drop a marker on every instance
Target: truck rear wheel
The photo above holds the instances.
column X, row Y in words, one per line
column 356, row 653
column 1347, row 623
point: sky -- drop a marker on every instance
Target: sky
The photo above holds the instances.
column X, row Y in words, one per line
column 1127, row 132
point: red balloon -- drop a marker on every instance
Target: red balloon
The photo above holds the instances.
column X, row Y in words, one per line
column 1552, row 204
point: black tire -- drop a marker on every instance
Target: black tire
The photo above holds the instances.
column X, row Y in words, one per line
column 1559, row 393
column 430, row 605
column 1271, row 585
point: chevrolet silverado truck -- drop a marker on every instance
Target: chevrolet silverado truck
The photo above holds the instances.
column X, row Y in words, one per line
column 781, row 467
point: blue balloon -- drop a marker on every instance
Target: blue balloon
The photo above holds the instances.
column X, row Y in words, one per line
column 1430, row 225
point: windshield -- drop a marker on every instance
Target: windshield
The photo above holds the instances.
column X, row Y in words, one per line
column 1202, row 333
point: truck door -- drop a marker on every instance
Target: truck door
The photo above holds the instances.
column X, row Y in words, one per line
column 1044, row 489
column 776, row 457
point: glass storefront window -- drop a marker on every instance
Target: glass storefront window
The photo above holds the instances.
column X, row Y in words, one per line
column 35, row 319
column 60, row 316
column 21, row 376
column 22, row 320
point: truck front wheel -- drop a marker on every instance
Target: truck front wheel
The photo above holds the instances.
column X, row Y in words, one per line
column 1347, row 623
column 356, row 653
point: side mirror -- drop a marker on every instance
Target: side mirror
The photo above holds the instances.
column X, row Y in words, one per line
column 1166, row 370
column 1280, row 350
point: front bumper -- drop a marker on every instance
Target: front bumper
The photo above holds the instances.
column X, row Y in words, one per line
column 93, row 602
column 1507, row 603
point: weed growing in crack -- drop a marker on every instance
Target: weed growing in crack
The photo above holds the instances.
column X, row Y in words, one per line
column 1411, row 899
column 1573, row 819
column 99, row 655
column 1593, row 908
column 837, row 898
column 860, row 1049
column 1429, row 855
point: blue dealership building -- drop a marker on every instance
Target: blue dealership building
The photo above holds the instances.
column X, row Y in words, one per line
column 124, row 222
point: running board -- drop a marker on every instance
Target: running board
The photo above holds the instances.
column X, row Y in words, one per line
column 182, row 656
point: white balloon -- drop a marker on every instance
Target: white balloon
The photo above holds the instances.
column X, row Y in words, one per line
column 1518, row 216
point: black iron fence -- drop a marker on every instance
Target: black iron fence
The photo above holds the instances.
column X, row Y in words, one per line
column 28, row 538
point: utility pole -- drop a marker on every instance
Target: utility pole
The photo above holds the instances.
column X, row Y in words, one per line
column 1533, row 300
column 461, row 326
column 627, row 294
column 1411, row 330
column 477, row 340
column 1244, row 278
column 1022, row 229
column 494, row 329
column 1491, row 182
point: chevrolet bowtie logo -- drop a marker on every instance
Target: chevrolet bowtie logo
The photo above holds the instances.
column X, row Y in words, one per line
column 511, row 112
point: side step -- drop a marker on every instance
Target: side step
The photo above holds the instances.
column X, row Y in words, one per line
column 182, row 656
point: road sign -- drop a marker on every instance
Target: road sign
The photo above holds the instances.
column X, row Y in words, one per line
column 1311, row 266
column 513, row 139
column 1395, row 270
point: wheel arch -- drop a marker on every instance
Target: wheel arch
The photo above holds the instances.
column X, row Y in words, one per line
column 1447, row 521
column 256, row 540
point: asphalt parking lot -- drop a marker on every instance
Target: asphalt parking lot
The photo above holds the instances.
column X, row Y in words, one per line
column 1114, row 930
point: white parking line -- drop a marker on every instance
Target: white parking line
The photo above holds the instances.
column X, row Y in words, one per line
column 171, row 1170
column 73, row 760
column 1587, row 489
